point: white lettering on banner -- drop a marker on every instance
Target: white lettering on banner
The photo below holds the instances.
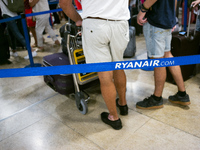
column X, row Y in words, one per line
column 167, row 63
column 124, row 64
column 129, row 65
column 139, row 65
column 118, row 65
column 145, row 64
column 155, row 63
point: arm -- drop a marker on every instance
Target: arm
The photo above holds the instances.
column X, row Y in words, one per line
column 70, row 11
column 140, row 17
column 175, row 11
column 148, row 3
column 33, row 2
column 176, row 5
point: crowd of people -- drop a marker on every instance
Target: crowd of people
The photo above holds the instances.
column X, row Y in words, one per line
column 37, row 25
column 105, row 35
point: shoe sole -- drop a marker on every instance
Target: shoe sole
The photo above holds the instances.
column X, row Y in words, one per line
column 153, row 107
column 181, row 103
column 108, row 122
column 116, row 128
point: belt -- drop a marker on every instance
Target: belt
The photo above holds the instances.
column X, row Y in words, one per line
column 101, row 18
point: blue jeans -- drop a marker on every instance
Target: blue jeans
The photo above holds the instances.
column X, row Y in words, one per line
column 15, row 33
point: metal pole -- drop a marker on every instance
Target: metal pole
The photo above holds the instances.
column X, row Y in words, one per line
column 28, row 46
column 185, row 15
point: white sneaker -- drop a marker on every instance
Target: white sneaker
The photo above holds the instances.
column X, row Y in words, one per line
column 15, row 54
column 34, row 53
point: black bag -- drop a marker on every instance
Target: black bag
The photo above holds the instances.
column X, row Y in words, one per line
column 64, row 34
column 134, row 11
column 62, row 84
column 4, row 46
column 184, row 45
column 138, row 28
column 131, row 47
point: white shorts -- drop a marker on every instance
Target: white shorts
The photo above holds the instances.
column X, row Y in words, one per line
column 104, row 41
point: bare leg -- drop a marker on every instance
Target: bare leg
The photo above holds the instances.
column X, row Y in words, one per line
column 120, row 84
column 159, row 80
column 60, row 16
column 159, row 77
column 32, row 29
column 176, row 73
column 109, row 93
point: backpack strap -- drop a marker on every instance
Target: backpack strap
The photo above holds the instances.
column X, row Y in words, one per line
column 4, row 3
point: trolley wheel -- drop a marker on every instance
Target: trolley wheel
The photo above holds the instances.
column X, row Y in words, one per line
column 82, row 106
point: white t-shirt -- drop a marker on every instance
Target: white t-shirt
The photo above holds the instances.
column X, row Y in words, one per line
column 107, row 9
column 41, row 5
column 5, row 10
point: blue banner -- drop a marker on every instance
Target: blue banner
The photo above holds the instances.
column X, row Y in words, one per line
column 99, row 67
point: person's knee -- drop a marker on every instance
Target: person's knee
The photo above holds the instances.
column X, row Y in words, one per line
column 168, row 54
column 105, row 77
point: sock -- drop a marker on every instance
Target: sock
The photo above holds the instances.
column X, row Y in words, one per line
column 182, row 94
column 156, row 97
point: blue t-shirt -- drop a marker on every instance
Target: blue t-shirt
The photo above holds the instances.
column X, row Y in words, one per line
column 162, row 14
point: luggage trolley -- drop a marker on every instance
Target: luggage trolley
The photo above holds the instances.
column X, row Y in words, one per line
column 76, row 56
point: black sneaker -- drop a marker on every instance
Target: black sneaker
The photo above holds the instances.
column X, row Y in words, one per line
column 149, row 103
column 123, row 109
column 117, row 124
column 176, row 99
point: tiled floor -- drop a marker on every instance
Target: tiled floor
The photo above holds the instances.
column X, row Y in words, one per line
column 34, row 117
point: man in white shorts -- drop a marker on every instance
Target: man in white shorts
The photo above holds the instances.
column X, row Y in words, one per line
column 105, row 36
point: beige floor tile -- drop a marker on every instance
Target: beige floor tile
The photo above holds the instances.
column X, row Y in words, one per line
column 185, row 118
column 48, row 134
column 91, row 126
column 155, row 135
column 37, row 92
column 52, row 103
column 11, row 104
column 20, row 121
column 20, row 83
column 103, row 132
column 22, row 98
column 5, row 90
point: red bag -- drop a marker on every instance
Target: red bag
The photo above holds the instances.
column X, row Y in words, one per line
column 78, row 4
column 30, row 21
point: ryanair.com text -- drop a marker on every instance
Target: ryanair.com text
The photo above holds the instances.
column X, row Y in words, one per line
column 141, row 64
